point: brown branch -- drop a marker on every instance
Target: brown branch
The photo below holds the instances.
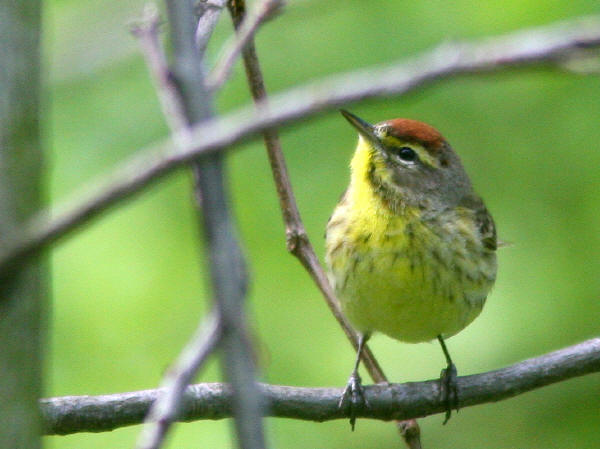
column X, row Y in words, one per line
column 545, row 46
column 71, row 414
column 297, row 239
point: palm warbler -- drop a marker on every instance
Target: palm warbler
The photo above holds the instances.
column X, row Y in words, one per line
column 410, row 247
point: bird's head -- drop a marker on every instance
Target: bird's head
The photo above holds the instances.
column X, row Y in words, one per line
column 408, row 162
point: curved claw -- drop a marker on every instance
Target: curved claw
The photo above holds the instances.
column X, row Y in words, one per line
column 449, row 389
column 354, row 396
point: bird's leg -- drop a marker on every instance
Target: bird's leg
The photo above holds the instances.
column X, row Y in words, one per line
column 354, row 392
column 448, row 382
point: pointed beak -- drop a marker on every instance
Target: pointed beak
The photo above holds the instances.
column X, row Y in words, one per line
column 365, row 129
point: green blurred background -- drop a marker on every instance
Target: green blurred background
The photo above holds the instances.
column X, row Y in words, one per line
column 129, row 289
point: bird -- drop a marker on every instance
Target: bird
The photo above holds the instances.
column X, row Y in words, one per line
column 410, row 247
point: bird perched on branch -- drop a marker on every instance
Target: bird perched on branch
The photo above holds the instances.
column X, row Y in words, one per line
column 410, row 247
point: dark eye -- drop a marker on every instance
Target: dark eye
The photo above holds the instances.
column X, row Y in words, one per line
column 406, row 154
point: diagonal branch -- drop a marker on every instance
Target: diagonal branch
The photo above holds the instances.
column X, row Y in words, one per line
column 546, row 46
column 297, row 239
column 71, row 414
column 210, row 10
column 164, row 410
column 246, row 28
column 147, row 32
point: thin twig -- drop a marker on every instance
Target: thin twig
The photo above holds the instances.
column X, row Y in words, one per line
column 209, row 16
column 546, row 46
column 165, row 408
column 71, row 414
column 296, row 236
column 146, row 30
column 246, row 29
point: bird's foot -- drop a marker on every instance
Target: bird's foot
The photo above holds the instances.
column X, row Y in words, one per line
column 353, row 396
column 449, row 389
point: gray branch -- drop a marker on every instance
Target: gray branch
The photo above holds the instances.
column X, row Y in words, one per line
column 71, row 414
column 209, row 13
column 147, row 31
column 227, row 264
column 185, row 100
column 548, row 46
column 245, row 32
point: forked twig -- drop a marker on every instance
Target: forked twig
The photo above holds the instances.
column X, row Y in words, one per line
column 223, row 252
column 164, row 410
column 184, row 100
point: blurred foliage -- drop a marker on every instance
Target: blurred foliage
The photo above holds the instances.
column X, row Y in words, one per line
column 129, row 289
